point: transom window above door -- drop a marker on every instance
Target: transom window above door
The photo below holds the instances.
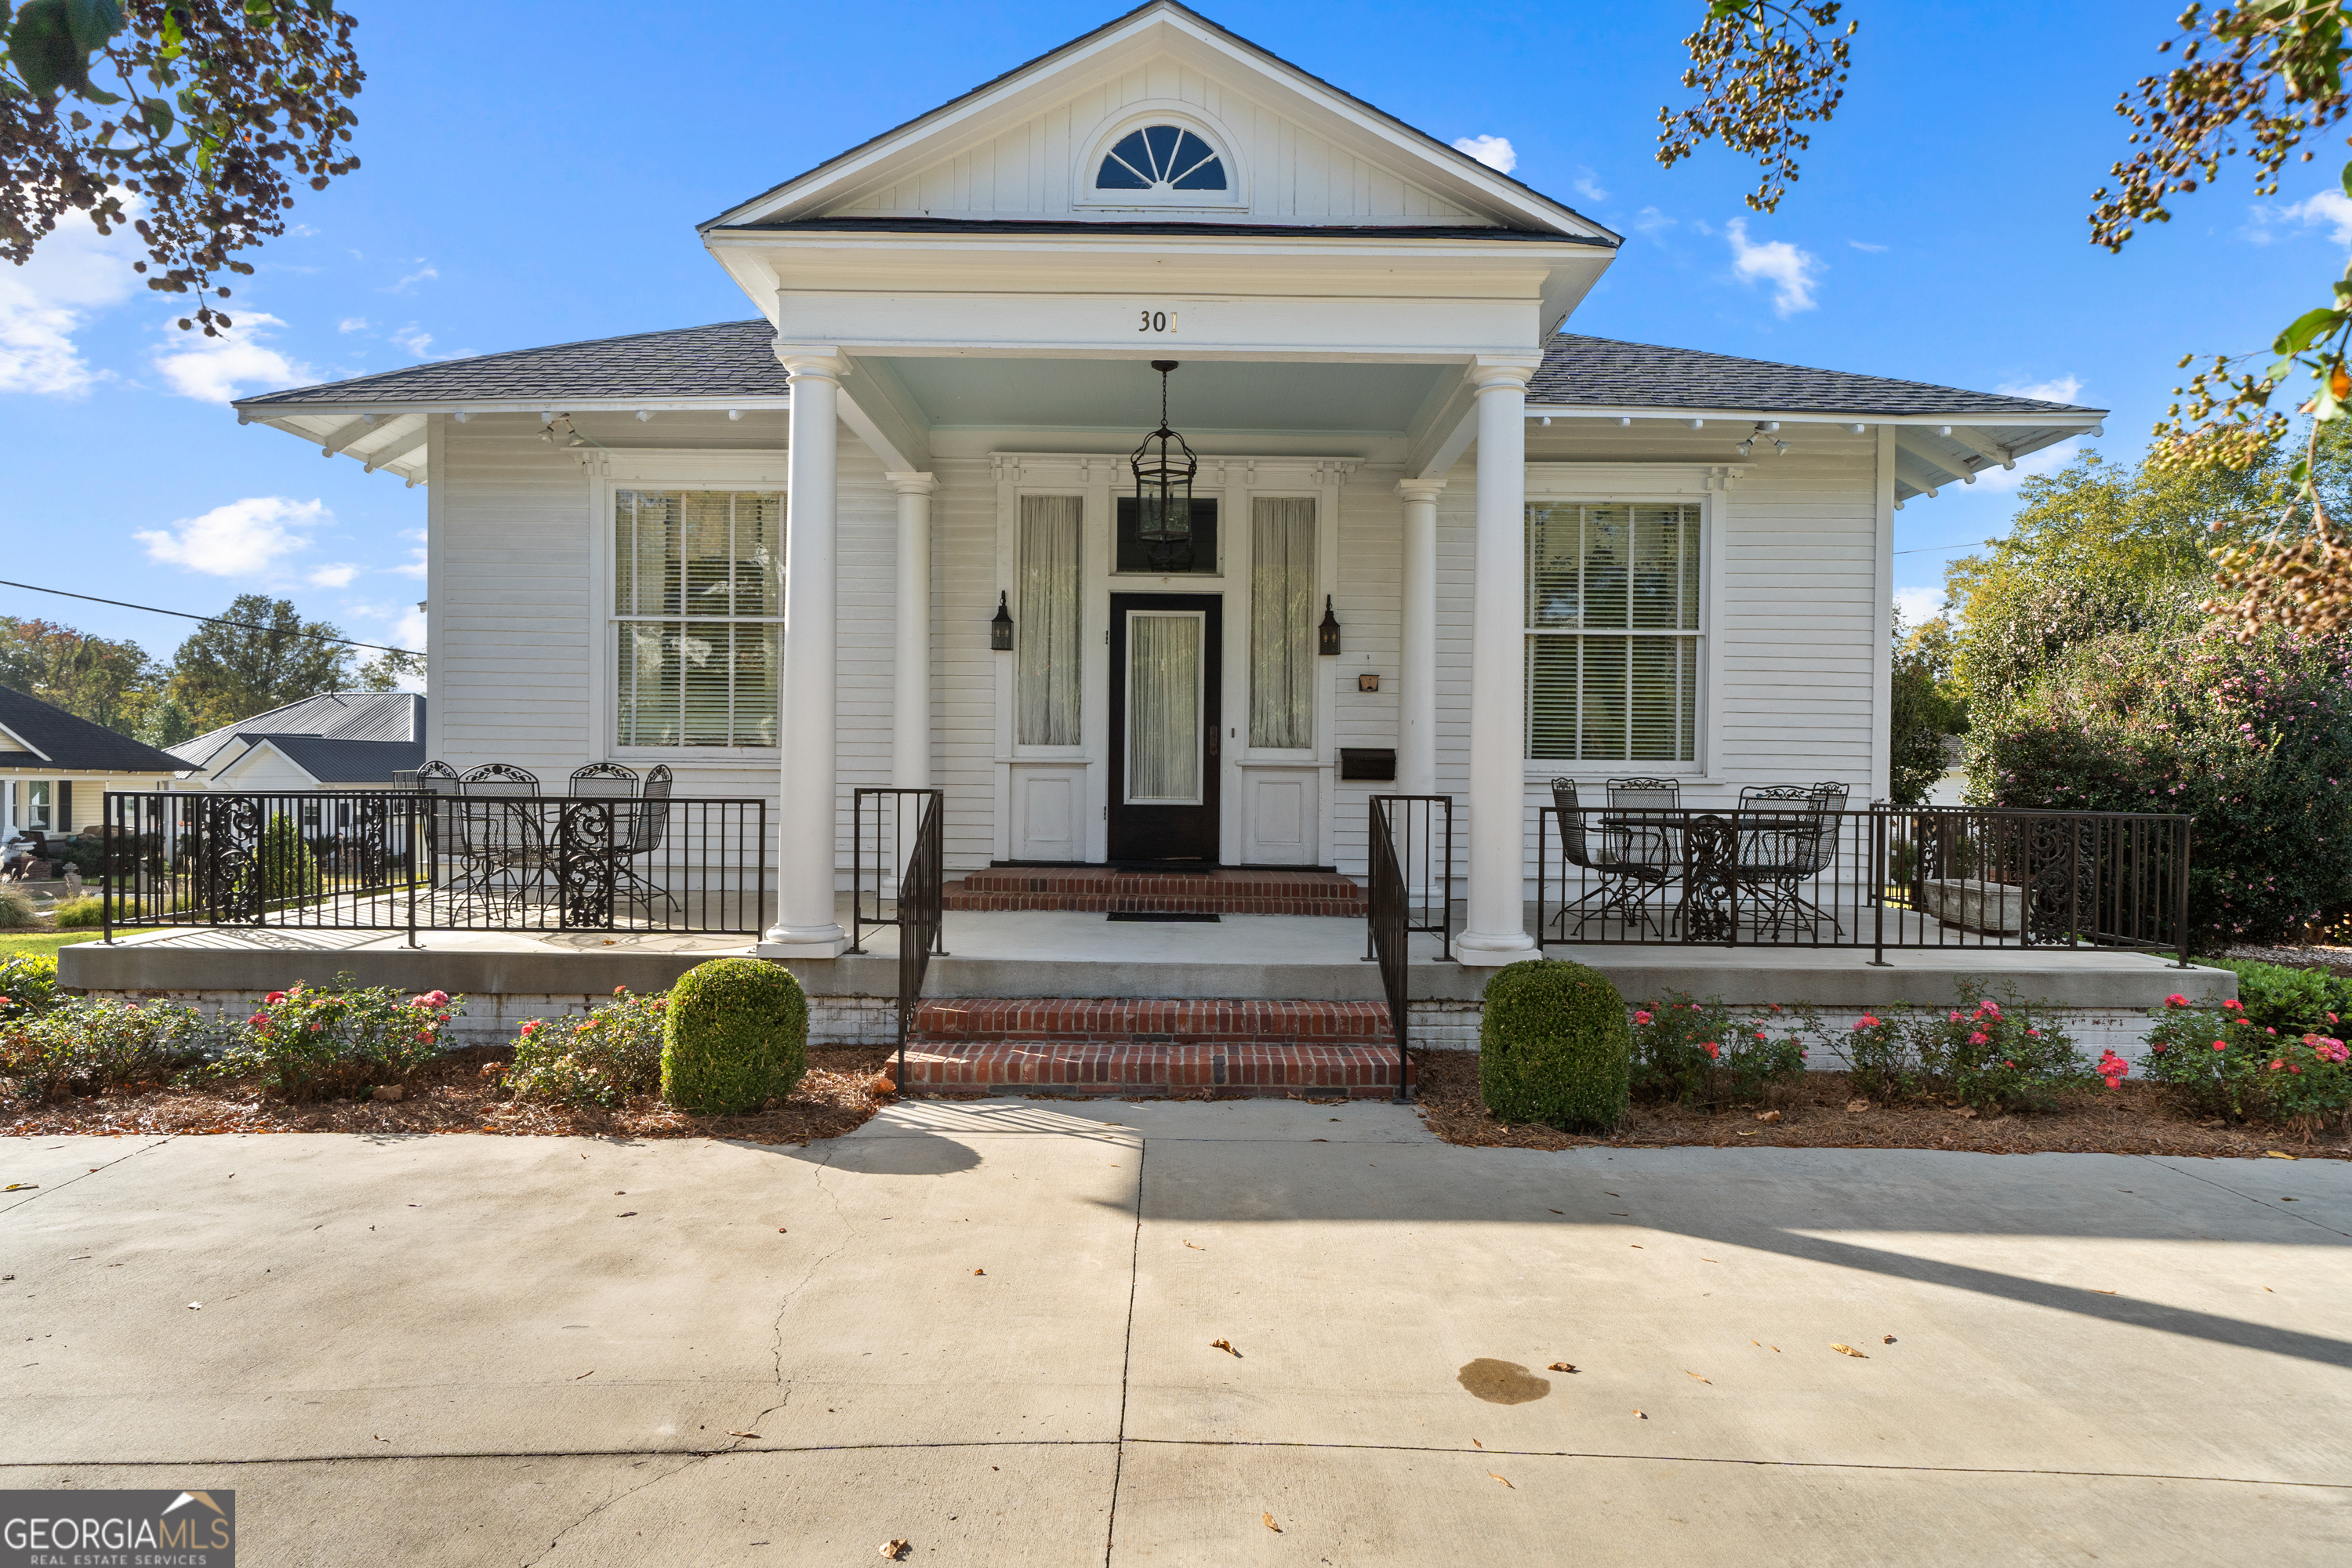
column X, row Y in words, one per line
column 1161, row 159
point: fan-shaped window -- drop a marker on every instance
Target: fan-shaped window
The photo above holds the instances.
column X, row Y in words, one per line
column 1160, row 158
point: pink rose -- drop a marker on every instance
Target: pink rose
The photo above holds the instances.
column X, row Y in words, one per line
column 1978, row 1038
column 274, row 998
column 2218, row 1046
column 2176, row 1000
column 2234, row 1004
column 1641, row 1018
column 1714, row 1051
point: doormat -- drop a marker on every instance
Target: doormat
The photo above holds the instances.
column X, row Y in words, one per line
column 1179, row 916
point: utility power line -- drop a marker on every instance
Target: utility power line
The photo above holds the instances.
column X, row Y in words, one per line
column 210, row 620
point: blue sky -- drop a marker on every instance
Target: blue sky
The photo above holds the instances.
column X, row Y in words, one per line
column 532, row 174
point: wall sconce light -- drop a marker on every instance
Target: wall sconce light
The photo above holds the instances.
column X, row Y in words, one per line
column 1327, row 634
column 1000, row 629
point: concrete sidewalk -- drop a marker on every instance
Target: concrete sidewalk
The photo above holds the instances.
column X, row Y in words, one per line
column 986, row 1328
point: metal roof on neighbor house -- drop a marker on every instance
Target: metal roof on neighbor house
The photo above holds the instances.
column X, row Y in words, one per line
column 334, row 715
column 70, row 743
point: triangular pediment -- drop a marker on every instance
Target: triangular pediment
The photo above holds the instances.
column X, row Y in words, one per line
column 1291, row 150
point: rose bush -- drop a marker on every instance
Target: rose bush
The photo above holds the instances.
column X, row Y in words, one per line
column 600, row 1059
column 1694, row 1053
column 308, row 1042
column 2216, row 1061
column 85, row 1046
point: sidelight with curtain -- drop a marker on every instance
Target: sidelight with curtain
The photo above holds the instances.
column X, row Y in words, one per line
column 1282, row 622
column 1047, row 662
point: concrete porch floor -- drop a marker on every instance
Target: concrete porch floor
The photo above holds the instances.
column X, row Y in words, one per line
column 1065, row 953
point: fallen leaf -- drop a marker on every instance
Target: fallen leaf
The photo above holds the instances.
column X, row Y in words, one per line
column 627, row 1213
column 2102, row 1292
column 1270, row 1524
column 892, row 1551
column 1750, row 1134
column 1562, row 1213
column 743, row 1434
column 1848, row 1350
column 1560, row 1366
column 979, row 1271
column 2277, row 1154
column 1475, row 1444
column 196, row 1306
column 1768, row 1116
column 1643, row 1417
column 1196, row 1246
column 1708, row 1381
column 1855, row 1107
column 1226, row 1346
column 1965, row 1112
column 1887, row 1340
column 590, row 1373
column 28, row 1186
column 782, row 1231
column 1637, row 1247
column 1493, row 1476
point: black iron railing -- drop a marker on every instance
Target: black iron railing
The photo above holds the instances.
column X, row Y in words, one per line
column 403, row 859
column 1391, row 910
column 1783, row 874
column 884, row 834
column 1420, row 834
column 919, row 918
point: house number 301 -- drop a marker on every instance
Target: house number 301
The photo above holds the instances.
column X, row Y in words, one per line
column 1158, row 321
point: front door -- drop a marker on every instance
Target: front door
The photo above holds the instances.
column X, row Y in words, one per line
column 1164, row 670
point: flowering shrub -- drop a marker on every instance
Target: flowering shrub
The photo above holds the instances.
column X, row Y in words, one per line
column 1995, row 1057
column 2292, row 1001
column 28, row 984
column 2217, row 1060
column 1879, row 1051
column 311, row 1042
column 86, row 1046
column 601, row 1059
column 1688, row 1052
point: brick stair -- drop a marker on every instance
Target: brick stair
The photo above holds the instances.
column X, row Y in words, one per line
column 1128, row 1047
column 1100, row 889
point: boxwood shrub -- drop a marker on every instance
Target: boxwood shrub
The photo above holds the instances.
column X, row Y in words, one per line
column 735, row 1036
column 1554, row 1046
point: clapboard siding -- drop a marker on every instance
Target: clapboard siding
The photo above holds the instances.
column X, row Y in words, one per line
column 963, row 680
column 1370, row 607
column 1037, row 168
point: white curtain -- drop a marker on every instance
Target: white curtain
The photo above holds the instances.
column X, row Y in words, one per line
column 1163, row 707
column 1282, row 622
column 1046, row 657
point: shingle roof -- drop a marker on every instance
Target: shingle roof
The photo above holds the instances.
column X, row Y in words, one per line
column 332, row 761
column 726, row 359
column 336, row 715
column 1604, row 373
column 69, row 743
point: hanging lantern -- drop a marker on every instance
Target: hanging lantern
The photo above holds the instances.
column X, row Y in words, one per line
column 1327, row 634
column 1163, row 468
column 1000, row 629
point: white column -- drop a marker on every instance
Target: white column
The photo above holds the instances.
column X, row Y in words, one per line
column 1417, row 659
column 910, row 708
column 1496, row 926
column 804, row 926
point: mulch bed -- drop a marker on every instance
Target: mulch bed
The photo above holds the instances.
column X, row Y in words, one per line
column 454, row 1095
column 2133, row 1119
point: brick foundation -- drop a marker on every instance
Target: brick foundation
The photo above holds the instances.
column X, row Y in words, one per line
column 1098, row 889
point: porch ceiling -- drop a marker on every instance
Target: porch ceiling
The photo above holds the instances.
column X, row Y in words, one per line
column 1204, row 396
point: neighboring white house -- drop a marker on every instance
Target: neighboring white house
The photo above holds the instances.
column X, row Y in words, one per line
column 55, row 768
column 338, row 739
column 769, row 553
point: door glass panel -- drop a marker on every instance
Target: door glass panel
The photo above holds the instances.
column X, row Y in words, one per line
column 1282, row 623
column 1163, row 707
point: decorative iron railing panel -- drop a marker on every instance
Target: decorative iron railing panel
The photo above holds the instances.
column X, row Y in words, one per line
column 1785, row 875
column 402, row 859
column 1421, row 836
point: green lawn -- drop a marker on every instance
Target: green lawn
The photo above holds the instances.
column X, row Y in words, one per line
column 47, row 941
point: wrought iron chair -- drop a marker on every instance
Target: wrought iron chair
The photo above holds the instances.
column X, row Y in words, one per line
column 648, row 828
column 603, row 781
column 502, row 835
column 1604, row 850
column 1789, row 836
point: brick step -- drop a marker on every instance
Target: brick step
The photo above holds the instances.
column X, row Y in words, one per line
column 1099, row 889
column 1146, row 1021
column 1134, row 1070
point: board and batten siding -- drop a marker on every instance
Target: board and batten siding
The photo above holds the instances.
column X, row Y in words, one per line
column 1037, row 168
column 519, row 647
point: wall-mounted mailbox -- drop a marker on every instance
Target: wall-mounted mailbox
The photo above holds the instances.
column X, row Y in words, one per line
column 1367, row 681
column 1368, row 763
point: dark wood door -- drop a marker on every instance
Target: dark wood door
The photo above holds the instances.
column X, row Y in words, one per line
column 1165, row 664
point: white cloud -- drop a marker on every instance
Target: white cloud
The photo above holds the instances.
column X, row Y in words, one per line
column 416, row 343
column 414, row 565
column 1586, row 183
column 217, row 369
column 1918, row 605
column 1865, row 245
column 2331, row 207
column 409, row 631
column 1790, row 271
column 1495, row 152
column 74, row 271
column 424, row 273
column 2057, row 389
column 336, row 576
column 351, row 324
column 243, row 539
column 1650, row 220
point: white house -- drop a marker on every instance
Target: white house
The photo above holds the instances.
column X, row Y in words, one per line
column 337, row 740
column 769, row 553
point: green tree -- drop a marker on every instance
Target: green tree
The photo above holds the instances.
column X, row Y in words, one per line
column 106, row 682
column 385, row 671
column 224, row 673
column 215, row 108
column 1926, row 707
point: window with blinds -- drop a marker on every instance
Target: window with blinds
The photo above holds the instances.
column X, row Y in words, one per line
column 1282, row 622
column 1047, row 661
column 698, row 616
column 1612, row 633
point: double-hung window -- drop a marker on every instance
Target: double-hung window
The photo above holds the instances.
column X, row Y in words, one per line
column 697, row 602
column 1613, row 632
